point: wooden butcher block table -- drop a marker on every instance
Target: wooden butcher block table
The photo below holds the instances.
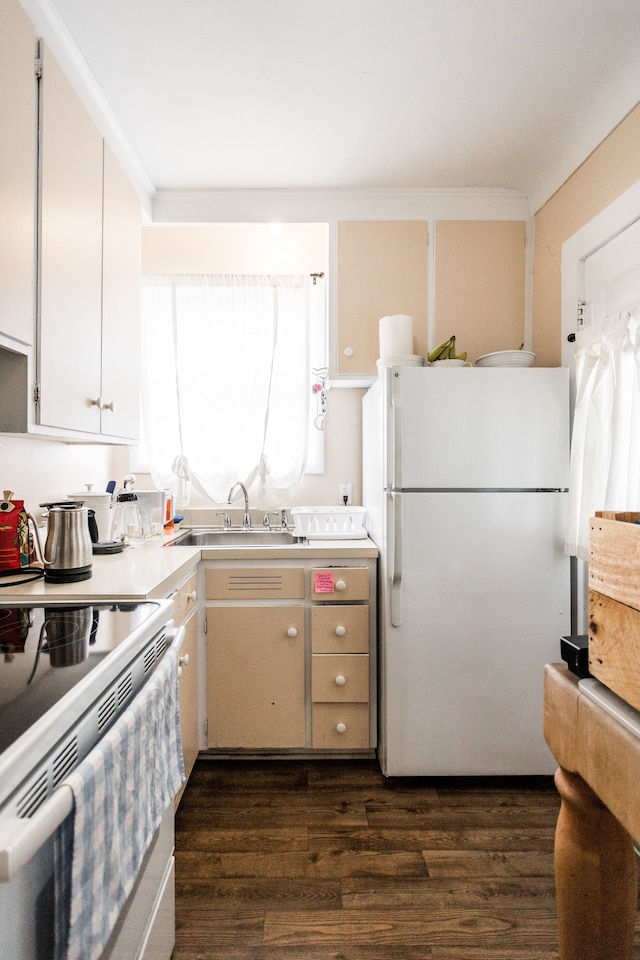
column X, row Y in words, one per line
column 592, row 727
column 599, row 785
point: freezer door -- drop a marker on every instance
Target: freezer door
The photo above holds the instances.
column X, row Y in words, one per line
column 479, row 428
column 476, row 598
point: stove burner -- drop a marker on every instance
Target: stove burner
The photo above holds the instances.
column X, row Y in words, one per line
column 68, row 631
column 68, row 625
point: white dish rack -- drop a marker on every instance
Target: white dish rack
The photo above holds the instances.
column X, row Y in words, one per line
column 329, row 523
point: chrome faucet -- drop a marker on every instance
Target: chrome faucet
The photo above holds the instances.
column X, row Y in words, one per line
column 246, row 520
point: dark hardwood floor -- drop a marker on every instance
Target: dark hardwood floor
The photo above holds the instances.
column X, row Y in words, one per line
column 329, row 860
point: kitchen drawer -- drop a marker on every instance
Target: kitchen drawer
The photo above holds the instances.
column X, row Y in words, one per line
column 185, row 599
column 340, row 678
column 341, row 726
column 339, row 584
column 340, row 629
column 258, row 583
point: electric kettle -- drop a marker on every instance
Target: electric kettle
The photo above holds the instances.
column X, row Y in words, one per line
column 68, row 548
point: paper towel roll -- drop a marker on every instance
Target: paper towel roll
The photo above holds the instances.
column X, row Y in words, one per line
column 396, row 335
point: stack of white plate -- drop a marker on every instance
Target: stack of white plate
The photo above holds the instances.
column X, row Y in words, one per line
column 402, row 360
column 506, row 358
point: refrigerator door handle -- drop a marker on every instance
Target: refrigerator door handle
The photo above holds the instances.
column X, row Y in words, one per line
column 394, row 421
column 396, row 561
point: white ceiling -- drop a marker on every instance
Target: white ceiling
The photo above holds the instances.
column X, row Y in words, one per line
column 357, row 93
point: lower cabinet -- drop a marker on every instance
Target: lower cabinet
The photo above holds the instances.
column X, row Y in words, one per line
column 342, row 686
column 290, row 656
column 189, row 718
column 185, row 600
column 255, row 676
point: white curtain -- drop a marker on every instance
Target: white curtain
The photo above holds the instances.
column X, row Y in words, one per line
column 227, row 382
column 605, row 447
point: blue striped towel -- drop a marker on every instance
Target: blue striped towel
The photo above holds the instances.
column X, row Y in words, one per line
column 121, row 791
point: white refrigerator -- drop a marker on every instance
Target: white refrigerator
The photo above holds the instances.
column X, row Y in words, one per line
column 465, row 474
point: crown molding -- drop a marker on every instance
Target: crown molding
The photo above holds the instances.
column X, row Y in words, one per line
column 237, row 205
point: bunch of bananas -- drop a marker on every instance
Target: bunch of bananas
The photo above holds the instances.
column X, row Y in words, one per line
column 446, row 351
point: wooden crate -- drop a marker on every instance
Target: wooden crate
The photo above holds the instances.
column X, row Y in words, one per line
column 614, row 603
column 614, row 646
column 614, row 556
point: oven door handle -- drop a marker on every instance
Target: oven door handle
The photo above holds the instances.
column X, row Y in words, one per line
column 175, row 636
column 22, row 837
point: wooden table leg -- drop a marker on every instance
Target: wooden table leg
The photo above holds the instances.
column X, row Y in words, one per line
column 596, row 876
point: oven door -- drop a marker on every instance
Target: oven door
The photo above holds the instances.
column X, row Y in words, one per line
column 145, row 929
column 146, row 926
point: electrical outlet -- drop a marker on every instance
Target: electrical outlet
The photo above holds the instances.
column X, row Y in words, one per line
column 344, row 491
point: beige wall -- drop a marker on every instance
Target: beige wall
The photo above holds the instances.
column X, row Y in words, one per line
column 610, row 170
column 38, row 471
column 235, row 248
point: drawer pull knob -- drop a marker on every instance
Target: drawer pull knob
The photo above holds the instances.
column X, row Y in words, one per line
column 341, row 727
column 340, row 631
column 340, row 680
column 292, row 632
column 192, row 596
column 184, row 659
column 341, row 585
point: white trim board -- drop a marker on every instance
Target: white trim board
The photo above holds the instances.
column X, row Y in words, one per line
column 604, row 227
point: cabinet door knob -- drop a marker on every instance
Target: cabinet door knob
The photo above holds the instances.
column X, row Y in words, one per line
column 96, row 403
column 340, row 680
column 340, row 631
column 109, row 406
column 341, row 727
column 292, row 632
column 341, row 585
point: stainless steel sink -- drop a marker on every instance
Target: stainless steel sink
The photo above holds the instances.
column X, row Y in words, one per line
column 235, row 538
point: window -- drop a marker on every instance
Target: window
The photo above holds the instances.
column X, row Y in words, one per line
column 227, row 381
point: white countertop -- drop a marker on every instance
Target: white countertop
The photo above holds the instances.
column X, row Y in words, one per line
column 152, row 571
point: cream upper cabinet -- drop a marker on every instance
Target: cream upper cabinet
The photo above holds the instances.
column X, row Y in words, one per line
column 18, row 123
column 121, row 277
column 70, row 257
column 88, row 344
column 480, row 284
column 473, row 279
column 382, row 270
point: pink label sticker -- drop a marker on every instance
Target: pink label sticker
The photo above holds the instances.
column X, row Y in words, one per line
column 323, row 582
